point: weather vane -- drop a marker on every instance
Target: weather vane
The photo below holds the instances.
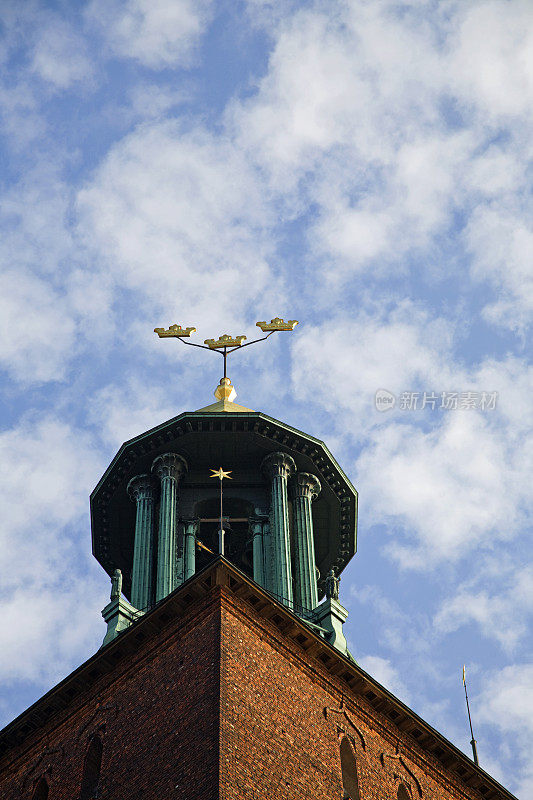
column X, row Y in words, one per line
column 225, row 345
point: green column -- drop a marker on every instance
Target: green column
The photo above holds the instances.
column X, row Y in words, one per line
column 189, row 550
column 141, row 489
column 304, row 487
column 258, row 551
column 169, row 468
column 278, row 467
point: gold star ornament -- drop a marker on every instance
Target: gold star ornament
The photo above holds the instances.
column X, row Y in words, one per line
column 220, row 473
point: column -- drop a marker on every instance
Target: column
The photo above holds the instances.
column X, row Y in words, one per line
column 258, row 551
column 169, row 468
column 141, row 489
column 278, row 467
column 304, row 487
column 189, row 550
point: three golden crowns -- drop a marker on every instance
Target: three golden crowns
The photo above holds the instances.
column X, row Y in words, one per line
column 225, row 340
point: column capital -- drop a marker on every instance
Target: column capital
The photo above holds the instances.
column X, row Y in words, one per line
column 303, row 484
column 169, row 465
column 278, row 465
column 141, row 487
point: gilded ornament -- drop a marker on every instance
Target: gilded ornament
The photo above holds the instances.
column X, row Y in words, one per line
column 277, row 324
column 174, row 331
column 224, row 341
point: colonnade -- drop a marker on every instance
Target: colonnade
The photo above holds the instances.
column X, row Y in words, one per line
column 172, row 560
column 175, row 542
column 299, row 589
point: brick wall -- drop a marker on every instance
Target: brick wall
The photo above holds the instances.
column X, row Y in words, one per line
column 157, row 716
column 222, row 704
column 282, row 723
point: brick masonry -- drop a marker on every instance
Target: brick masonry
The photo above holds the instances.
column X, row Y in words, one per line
column 283, row 717
column 158, row 717
column 220, row 704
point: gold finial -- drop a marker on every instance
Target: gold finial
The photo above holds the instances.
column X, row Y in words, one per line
column 277, row 324
column 224, row 341
column 225, row 391
column 174, row 331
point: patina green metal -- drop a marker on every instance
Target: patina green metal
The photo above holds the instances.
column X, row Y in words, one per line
column 259, row 532
column 240, row 441
column 304, row 489
column 278, row 467
column 141, row 489
column 189, row 557
column 331, row 616
column 118, row 613
column 169, row 468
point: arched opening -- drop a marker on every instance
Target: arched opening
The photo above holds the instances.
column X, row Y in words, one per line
column 91, row 770
column 403, row 794
column 41, row 790
column 237, row 541
column 350, row 785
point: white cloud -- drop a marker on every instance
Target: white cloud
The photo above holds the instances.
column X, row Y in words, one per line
column 148, row 100
column 59, row 55
column 449, row 480
column 21, row 120
column 47, row 471
column 52, row 49
column 119, row 413
column 36, row 335
column 501, row 612
column 33, row 216
column 399, row 630
column 506, row 701
column 157, row 33
column 385, row 673
column 393, row 349
column 394, row 127
column 180, row 217
column 45, row 632
column 52, row 300
column 491, row 56
column 501, row 241
column 451, row 489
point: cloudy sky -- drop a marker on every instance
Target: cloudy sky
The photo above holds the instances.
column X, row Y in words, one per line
column 359, row 166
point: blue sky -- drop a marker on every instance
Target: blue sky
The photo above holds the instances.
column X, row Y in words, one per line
column 363, row 167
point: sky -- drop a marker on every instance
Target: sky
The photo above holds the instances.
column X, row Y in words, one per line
column 362, row 167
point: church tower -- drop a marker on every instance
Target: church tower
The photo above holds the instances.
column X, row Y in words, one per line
column 224, row 672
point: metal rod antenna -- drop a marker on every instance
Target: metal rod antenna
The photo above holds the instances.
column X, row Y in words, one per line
column 221, row 548
column 472, row 740
column 221, row 474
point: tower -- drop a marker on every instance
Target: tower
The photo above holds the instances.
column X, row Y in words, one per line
column 224, row 671
column 290, row 513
